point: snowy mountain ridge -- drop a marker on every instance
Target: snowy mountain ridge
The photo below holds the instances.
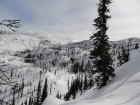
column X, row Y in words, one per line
column 16, row 42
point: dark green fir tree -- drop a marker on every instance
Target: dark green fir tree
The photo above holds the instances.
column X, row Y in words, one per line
column 85, row 82
column 38, row 100
column 45, row 90
column 102, row 61
column 73, row 91
column 30, row 101
column 125, row 55
column 57, row 95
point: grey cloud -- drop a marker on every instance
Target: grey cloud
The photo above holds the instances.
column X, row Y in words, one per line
column 72, row 17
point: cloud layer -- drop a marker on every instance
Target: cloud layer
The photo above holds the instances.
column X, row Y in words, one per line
column 59, row 39
column 73, row 17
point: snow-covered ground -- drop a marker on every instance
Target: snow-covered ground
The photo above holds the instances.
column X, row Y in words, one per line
column 13, row 49
column 124, row 89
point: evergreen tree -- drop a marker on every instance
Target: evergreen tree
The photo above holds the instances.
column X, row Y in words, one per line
column 91, row 82
column 22, row 87
column 136, row 46
column 60, row 96
column 38, row 98
column 45, row 90
column 12, row 72
column 72, row 90
column 102, row 60
column 75, row 67
column 81, row 68
column 67, row 97
column 13, row 102
column 85, row 82
column 68, row 83
column 81, row 86
column 57, row 95
column 30, row 101
column 119, row 59
column 125, row 55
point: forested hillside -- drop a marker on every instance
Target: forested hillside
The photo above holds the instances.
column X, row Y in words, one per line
column 27, row 64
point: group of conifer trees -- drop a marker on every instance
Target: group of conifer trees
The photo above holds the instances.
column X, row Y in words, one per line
column 77, row 85
column 123, row 56
column 102, row 61
column 39, row 97
column 77, row 67
column 102, row 67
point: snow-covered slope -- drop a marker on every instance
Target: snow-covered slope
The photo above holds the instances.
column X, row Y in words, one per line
column 31, row 59
column 124, row 89
column 13, row 51
column 16, row 42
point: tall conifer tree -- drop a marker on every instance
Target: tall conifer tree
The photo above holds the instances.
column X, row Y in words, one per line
column 101, row 57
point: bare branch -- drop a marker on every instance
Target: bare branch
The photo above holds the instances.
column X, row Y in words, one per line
column 11, row 24
column 6, row 79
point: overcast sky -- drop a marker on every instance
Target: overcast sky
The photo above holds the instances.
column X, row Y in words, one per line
column 72, row 17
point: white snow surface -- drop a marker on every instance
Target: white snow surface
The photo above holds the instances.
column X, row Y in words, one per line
column 124, row 89
column 17, row 42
